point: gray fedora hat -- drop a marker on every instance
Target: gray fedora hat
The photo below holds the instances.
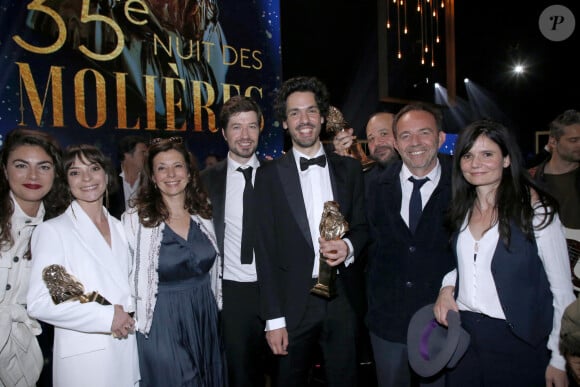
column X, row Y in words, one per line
column 432, row 346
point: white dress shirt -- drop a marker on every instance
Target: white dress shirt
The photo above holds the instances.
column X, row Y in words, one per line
column 426, row 190
column 316, row 189
column 129, row 191
column 234, row 209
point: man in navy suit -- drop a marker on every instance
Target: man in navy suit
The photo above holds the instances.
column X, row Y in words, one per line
column 290, row 193
column 409, row 252
column 243, row 330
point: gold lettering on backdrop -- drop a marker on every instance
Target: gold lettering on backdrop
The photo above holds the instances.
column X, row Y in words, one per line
column 207, row 48
column 234, row 53
column 174, row 88
column 167, row 48
column 180, row 53
column 136, row 6
column 121, row 83
column 197, row 106
column 54, row 82
column 242, row 57
column 166, row 97
column 150, row 101
column 248, row 92
column 133, row 10
column 227, row 90
column 80, row 100
column 171, row 103
column 86, row 17
column 256, row 55
column 37, row 6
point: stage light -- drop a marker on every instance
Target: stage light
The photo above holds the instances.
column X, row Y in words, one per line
column 466, row 80
column 519, row 68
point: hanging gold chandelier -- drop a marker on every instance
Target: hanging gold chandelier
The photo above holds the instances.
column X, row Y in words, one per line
column 422, row 25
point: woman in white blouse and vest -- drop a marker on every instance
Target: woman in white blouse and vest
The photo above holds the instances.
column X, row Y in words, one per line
column 512, row 281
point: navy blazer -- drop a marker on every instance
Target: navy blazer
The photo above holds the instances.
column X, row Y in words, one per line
column 405, row 269
column 284, row 250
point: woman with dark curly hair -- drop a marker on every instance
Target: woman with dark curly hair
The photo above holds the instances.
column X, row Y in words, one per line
column 512, row 281
column 31, row 187
column 176, row 272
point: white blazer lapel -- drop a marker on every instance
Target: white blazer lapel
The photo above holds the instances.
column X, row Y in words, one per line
column 96, row 246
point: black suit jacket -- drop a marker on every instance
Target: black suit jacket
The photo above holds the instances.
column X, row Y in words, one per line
column 214, row 181
column 117, row 199
column 284, row 250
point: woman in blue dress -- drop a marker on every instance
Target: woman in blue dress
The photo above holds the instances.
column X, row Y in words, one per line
column 176, row 275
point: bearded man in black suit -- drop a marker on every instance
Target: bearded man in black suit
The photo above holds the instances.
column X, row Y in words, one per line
column 290, row 193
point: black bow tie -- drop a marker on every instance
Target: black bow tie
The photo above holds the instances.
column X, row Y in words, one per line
column 305, row 163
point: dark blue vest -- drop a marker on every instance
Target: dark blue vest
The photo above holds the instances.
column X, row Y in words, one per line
column 522, row 286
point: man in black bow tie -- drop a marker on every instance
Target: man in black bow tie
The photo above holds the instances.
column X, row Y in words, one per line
column 305, row 163
column 289, row 194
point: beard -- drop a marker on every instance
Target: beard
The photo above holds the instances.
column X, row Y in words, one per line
column 384, row 154
column 244, row 153
column 571, row 157
column 305, row 142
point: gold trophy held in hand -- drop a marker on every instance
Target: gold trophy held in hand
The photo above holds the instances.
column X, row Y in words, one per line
column 343, row 139
column 64, row 287
column 332, row 227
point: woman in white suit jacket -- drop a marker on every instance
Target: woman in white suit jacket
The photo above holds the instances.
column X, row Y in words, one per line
column 94, row 344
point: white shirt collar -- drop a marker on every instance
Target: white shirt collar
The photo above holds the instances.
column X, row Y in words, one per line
column 433, row 175
column 19, row 216
column 234, row 165
column 298, row 154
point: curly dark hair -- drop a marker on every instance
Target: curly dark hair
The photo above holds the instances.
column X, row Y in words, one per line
column 94, row 155
column 149, row 203
column 301, row 84
column 54, row 202
column 514, row 194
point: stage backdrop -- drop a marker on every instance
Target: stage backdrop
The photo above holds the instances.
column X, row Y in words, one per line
column 92, row 71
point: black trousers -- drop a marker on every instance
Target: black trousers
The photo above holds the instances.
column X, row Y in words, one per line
column 247, row 352
column 496, row 357
column 331, row 327
column 393, row 369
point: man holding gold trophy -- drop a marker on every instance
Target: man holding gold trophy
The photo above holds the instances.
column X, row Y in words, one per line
column 292, row 257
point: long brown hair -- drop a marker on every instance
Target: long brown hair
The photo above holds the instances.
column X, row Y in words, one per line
column 514, row 202
column 149, row 202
